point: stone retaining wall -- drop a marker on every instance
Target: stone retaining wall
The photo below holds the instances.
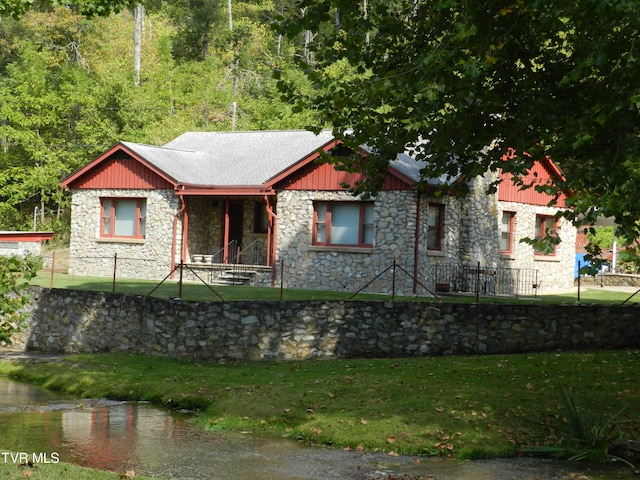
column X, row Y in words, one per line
column 67, row 321
column 611, row 280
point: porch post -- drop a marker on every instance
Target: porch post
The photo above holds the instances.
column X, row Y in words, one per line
column 225, row 239
column 416, row 246
column 182, row 212
column 271, row 232
column 185, row 232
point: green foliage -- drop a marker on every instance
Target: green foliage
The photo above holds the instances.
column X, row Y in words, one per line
column 17, row 8
column 68, row 90
column 602, row 237
column 588, row 437
column 463, row 82
column 15, row 274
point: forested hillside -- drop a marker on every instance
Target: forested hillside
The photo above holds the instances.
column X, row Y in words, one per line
column 71, row 87
column 463, row 84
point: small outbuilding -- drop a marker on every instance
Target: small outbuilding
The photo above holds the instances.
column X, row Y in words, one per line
column 23, row 243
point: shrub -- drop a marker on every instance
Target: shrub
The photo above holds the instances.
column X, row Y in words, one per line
column 15, row 274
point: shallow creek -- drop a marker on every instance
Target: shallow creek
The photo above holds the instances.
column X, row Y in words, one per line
column 118, row 436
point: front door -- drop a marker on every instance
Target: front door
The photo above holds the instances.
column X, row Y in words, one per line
column 233, row 229
column 236, row 221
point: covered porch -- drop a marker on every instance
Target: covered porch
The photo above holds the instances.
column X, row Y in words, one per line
column 228, row 239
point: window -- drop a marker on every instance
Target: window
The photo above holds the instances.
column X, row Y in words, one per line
column 123, row 217
column 545, row 228
column 435, row 230
column 260, row 218
column 506, row 232
column 343, row 224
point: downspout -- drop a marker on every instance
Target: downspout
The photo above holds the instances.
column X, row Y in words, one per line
column 271, row 237
column 176, row 215
column 416, row 246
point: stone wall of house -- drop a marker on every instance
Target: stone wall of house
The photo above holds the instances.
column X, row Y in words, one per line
column 336, row 268
column 553, row 271
column 91, row 255
column 66, row 321
column 471, row 236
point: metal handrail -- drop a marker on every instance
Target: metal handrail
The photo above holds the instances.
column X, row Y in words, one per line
column 231, row 248
column 252, row 251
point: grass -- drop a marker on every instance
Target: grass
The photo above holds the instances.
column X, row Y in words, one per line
column 57, row 471
column 200, row 292
column 588, row 436
column 467, row 407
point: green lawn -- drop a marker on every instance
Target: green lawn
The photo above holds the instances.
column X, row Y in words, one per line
column 58, row 471
column 201, row 292
column 468, row 407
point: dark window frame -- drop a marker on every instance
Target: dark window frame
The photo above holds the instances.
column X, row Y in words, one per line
column 109, row 217
column 438, row 228
column 323, row 222
column 542, row 229
column 509, row 232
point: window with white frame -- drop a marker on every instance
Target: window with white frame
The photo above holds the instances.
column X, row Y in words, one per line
column 123, row 217
column 506, row 232
column 435, row 226
column 343, row 224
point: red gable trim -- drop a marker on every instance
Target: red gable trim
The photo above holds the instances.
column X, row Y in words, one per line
column 307, row 175
column 119, row 167
column 543, row 172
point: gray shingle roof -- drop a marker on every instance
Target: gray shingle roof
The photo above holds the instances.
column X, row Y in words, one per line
column 243, row 158
column 226, row 159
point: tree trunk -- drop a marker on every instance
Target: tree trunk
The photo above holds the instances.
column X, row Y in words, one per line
column 138, row 18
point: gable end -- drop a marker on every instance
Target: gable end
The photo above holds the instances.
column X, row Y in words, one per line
column 540, row 174
column 122, row 172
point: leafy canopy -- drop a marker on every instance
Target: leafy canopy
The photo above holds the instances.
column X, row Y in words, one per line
column 15, row 274
column 466, row 81
column 17, row 8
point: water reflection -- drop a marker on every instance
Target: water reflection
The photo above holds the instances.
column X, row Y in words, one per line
column 118, row 436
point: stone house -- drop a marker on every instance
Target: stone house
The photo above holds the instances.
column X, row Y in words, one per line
column 261, row 208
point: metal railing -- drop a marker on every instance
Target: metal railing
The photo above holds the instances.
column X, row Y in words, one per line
column 395, row 279
column 485, row 280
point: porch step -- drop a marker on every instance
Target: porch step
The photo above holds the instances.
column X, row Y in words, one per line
column 237, row 278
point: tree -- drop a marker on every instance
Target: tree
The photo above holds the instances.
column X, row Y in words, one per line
column 196, row 19
column 15, row 274
column 17, row 8
column 460, row 83
column 50, row 123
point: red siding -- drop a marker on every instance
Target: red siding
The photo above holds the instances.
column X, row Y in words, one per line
column 27, row 237
column 538, row 175
column 324, row 176
column 121, row 173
